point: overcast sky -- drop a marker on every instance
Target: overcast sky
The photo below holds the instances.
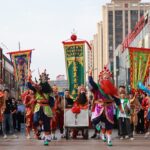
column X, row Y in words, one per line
column 44, row 24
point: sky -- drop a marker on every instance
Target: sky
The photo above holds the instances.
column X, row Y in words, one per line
column 43, row 25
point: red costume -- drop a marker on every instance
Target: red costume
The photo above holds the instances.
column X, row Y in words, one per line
column 81, row 103
column 1, row 105
column 58, row 113
column 145, row 106
column 28, row 100
column 105, row 94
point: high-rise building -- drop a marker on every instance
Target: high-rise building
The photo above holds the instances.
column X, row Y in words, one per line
column 96, row 45
column 139, row 38
column 119, row 19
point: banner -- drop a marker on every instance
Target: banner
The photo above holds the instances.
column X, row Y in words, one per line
column 1, row 64
column 139, row 65
column 75, row 65
column 21, row 61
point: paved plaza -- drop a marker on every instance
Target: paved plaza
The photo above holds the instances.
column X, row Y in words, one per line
column 62, row 144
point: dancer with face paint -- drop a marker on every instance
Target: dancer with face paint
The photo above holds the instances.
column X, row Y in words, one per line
column 105, row 94
column 44, row 103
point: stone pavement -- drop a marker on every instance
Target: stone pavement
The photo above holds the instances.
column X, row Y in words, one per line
column 62, row 144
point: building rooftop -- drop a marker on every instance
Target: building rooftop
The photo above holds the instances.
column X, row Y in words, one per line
column 116, row 1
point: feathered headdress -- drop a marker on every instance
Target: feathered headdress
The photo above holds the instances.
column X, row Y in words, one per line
column 44, row 76
column 105, row 71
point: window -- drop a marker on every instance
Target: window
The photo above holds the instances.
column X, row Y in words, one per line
column 134, row 18
column 126, row 5
column 110, row 54
column 118, row 28
column 126, row 23
column 117, row 62
column 110, row 29
column 141, row 13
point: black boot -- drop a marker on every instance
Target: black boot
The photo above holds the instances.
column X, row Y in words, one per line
column 94, row 136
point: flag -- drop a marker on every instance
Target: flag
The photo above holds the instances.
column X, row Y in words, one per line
column 139, row 65
column 21, row 61
column 75, row 65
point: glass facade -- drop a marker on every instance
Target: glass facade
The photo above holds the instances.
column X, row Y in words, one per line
column 126, row 23
column 134, row 18
column 118, row 28
column 7, row 78
column 110, row 30
column 141, row 13
column 111, row 55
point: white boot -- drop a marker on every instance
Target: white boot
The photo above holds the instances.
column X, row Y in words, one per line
column 103, row 137
column 109, row 142
column 147, row 134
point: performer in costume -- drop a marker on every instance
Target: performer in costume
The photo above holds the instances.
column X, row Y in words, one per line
column 148, row 119
column 68, row 99
column 104, row 95
column 81, row 102
column 44, row 102
column 82, row 99
column 2, row 103
column 134, row 109
column 97, row 128
column 145, row 106
column 58, row 110
column 2, row 107
column 29, row 102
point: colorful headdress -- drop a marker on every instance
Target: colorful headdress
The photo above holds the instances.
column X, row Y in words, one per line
column 44, row 76
column 105, row 71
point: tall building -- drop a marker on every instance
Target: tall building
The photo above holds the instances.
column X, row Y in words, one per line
column 95, row 56
column 96, row 45
column 119, row 19
column 139, row 38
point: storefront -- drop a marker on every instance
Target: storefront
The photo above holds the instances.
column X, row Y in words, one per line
column 7, row 75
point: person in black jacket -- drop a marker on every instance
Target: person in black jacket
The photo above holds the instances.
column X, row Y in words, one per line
column 68, row 99
column 7, row 114
column 14, row 110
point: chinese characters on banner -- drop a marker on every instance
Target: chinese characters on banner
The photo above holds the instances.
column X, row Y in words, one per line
column 75, row 65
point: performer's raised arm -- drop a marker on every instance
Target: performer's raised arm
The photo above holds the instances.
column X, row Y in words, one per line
column 31, row 87
column 29, row 82
column 92, row 84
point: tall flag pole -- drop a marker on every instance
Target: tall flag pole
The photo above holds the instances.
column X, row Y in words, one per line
column 21, row 61
column 74, row 50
